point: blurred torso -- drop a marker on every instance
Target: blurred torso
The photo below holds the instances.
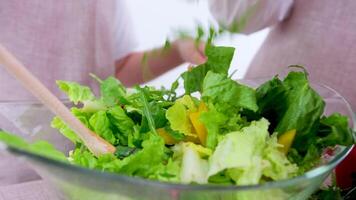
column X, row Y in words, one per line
column 320, row 35
column 57, row 40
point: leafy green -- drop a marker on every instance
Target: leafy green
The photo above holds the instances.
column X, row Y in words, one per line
column 278, row 166
column 146, row 110
column 174, row 134
column 122, row 122
column 334, row 130
column 249, row 154
column 42, row 148
column 292, row 104
column 101, row 125
column 113, row 92
column 212, row 120
column 219, row 59
column 194, row 168
column 305, row 107
column 178, row 117
column 76, row 92
column 158, row 114
column 217, row 88
column 63, row 128
column 237, row 149
column 141, row 163
column 169, row 172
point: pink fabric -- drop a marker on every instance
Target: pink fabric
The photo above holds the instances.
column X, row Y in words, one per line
column 321, row 35
column 60, row 40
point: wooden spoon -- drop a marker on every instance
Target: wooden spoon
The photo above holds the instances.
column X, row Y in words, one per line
column 96, row 144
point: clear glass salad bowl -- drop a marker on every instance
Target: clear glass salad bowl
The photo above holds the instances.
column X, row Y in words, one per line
column 32, row 121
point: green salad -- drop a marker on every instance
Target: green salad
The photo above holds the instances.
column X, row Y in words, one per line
column 215, row 131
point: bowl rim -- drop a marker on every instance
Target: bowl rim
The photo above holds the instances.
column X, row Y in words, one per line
column 320, row 170
column 313, row 173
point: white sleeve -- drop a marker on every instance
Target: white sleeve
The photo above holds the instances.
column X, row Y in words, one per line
column 248, row 16
column 125, row 40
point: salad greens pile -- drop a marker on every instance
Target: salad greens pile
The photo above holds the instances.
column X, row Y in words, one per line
column 219, row 131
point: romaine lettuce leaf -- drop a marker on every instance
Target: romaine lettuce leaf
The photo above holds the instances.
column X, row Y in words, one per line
column 194, row 168
column 237, row 149
column 334, row 130
column 113, row 92
column 212, row 121
column 278, row 166
column 122, row 122
column 292, row 104
column 101, row 125
column 144, row 162
column 250, row 154
column 76, row 92
column 64, row 129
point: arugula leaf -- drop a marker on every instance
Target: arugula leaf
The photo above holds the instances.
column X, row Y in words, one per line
column 158, row 114
column 42, row 148
column 217, row 88
column 146, row 110
column 76, row 92
column 219, row 59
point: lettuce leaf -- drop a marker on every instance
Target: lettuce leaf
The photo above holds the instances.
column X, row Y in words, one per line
column 237, row 149
column 76, row 92
column 144, row 162
column 221, row 90
column 178, row 117
column 278, row 166
column 64, row 129
column 122, row 122
column 101, row 125
column 219, row 59
column 213, row 121
column 194, row 168
column 292, row 104
column 334, row 130
column 42, row 148
column 113, row 92
column 250, row 154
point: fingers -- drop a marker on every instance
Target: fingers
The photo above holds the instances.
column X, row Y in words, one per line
column 198, row 57
column 191, row 52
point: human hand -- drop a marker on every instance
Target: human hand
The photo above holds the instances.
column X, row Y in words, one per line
column 190, row 51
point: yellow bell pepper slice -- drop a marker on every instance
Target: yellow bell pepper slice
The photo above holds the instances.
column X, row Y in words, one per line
column 286, row 140
column 198, row 126
column 166, row 137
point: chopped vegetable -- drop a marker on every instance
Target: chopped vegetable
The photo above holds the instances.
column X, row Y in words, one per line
column 231, row 134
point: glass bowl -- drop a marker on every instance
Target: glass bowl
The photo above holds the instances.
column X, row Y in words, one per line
column 32, row 121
